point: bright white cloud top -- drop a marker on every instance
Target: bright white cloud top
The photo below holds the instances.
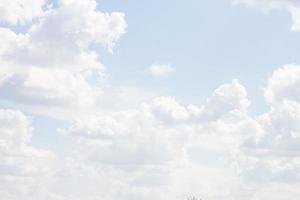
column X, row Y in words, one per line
column 161, row 148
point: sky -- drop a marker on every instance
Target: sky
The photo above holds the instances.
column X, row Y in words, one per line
column 144, row 100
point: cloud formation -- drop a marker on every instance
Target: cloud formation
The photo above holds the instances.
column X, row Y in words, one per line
column 159, row 149
column 216, row 138
column 293, row 7
column 53, row 64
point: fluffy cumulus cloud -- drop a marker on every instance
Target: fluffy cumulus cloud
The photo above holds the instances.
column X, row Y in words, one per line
column 283, row 85
column 158, row 146
column 169, row 148
column 158, row 149
column 52, row 63
column 165, row 147
column 293, row 7
column 274, row 155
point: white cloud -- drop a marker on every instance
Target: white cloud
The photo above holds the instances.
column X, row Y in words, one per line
column 164, row 148
column 10, row 40
column 291, row 6
column 160, row 149
column 15, row 128
column 227, row 98
column 160, row 69
column 64, row 33
column 21, row 164
column 20, row 11
column 190, row 140
column 50, row 67
column 283, row 85
column 52, row 64
column 273, row 157
column 47, row 86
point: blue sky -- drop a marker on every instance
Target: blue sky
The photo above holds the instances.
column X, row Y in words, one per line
column 209, row 43
column 144, row 100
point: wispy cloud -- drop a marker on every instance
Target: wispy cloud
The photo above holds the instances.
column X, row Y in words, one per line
column 161, row 69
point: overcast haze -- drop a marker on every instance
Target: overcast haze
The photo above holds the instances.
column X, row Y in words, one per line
column 149, row 100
